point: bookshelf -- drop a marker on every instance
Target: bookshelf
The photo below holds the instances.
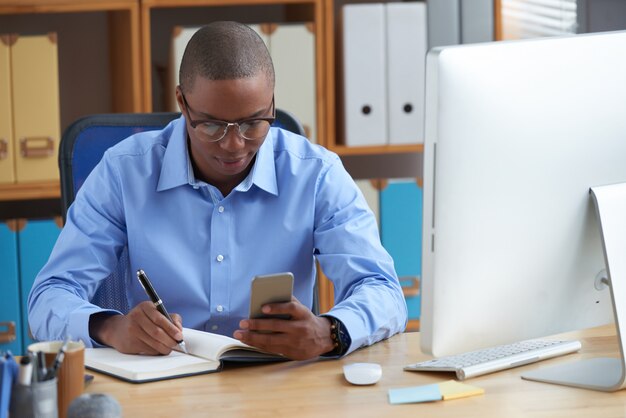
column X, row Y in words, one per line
column 98, row 54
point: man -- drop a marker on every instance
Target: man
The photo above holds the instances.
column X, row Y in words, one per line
column 209, row 202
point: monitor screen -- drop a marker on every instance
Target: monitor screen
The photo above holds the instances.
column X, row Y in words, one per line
column 516, row 133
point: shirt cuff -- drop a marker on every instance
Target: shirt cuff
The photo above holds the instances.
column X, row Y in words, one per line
column 79, row 325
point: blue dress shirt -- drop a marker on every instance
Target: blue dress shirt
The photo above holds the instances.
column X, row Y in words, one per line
column 201, row 249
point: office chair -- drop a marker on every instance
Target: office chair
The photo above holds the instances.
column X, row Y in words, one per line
column 82, row 146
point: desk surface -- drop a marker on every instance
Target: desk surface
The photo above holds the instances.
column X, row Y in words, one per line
column 317, row 388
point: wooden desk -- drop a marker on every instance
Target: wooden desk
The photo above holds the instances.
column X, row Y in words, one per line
column 318, row 389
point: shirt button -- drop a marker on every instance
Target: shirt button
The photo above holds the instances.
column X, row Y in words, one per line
column 214, row 327
column 219, row 308
column 220, row 258
column 220, row 209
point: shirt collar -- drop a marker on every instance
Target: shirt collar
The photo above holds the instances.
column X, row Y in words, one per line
column 175, row 160
column 263, row 173
column 177, row 169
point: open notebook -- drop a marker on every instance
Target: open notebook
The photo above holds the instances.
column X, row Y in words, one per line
column 206, row 353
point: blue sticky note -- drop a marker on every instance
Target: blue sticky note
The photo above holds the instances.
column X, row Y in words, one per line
column 426, row 393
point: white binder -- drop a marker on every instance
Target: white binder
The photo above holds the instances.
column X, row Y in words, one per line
column 371, row 195
column 180, row 38
column 364, row 74
column 7, row 159
column 406, row 59
column 293, row 52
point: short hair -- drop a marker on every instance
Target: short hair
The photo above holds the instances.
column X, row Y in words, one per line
column 225, row 51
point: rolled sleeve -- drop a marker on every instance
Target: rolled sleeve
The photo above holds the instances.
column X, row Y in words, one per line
column 368, row 296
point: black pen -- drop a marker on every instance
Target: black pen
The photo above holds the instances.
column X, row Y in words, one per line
column 158, row 303
column 41, row 366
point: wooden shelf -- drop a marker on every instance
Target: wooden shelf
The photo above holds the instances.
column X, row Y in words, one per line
column 413, row 325
column 60, row 6
column 124, row 33
column 378, row 149
column 185, row 3
column 30, row 191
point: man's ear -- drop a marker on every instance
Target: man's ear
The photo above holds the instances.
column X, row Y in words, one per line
column 179, row 99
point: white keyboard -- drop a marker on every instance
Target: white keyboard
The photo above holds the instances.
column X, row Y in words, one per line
column 488, row 360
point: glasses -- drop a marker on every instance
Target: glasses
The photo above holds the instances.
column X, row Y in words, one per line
column 212, row 130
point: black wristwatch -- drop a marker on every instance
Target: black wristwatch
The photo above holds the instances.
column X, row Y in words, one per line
column 340, row 337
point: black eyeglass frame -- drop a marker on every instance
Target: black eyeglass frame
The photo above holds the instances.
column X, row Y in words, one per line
column 226, row 124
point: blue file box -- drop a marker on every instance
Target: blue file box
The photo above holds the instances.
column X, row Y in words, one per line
column 35, row 243
column 10, row 308
column 401, row 232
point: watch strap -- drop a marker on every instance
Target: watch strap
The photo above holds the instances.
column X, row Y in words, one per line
column 339, row 335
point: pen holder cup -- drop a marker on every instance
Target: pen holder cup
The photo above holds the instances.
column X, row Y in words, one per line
column 39, row 400
column 71, row 373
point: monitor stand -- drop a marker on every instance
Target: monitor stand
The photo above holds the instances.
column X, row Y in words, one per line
column 604, row 374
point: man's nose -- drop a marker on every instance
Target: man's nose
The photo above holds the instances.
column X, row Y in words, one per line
column 233, row 139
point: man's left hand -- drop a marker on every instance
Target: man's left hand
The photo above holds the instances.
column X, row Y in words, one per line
column 302, row 337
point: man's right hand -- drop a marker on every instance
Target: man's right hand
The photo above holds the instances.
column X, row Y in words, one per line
column 144, row 330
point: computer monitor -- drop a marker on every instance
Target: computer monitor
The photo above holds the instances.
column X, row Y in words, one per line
column 516, row 133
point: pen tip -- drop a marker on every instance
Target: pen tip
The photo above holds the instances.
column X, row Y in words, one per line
column 183, row 347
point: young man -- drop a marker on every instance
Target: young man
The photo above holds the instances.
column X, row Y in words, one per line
column 209, row 202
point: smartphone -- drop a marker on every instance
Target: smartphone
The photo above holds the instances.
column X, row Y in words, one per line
column 270, row 288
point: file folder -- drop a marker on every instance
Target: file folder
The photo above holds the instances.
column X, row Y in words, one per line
column 7, row 162
column 292, row 47
column 35, row 242
column 36, row 113
column 364, row 75
column 406, row 66
column 401, row 218
column 180, row 37
column 10, row 308
column 401, row 232
column 372, row 196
